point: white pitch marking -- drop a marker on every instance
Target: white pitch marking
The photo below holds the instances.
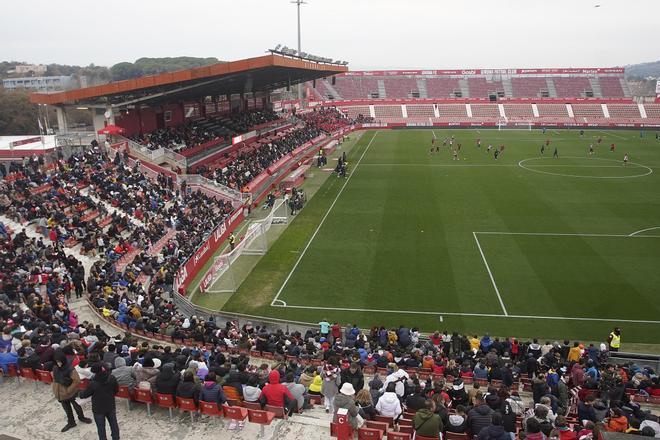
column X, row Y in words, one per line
column 643, row 230
column 606, row 133
column 481, row 315
column 564, row 234
column 521, row 165
column 490, row 274
column 295, row 266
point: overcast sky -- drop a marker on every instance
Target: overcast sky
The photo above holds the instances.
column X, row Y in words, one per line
column 384, row 34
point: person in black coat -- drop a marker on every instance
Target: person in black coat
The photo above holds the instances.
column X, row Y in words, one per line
column 354, row 376
column 187, row 388
column 102, row 390
column 167, row 380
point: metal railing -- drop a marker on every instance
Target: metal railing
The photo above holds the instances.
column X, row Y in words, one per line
column 196, row 179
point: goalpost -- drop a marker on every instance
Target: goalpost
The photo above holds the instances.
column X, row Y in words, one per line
column 221, row 276
column 505, row 124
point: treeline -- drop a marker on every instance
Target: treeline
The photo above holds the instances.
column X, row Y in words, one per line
column 643, row 70
column 151, row 66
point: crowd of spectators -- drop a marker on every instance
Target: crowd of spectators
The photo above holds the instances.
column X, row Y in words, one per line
column 327, row 119
column 195, row 132
column 251, row 162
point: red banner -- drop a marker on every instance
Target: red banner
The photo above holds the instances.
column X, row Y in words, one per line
column 470, row 72
column 189, row 269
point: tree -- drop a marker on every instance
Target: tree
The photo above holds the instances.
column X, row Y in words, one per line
column 18, row 116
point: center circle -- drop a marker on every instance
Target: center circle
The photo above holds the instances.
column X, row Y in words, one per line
column 525, row 164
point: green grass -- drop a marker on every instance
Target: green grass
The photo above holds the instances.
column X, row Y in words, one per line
column 398, row 245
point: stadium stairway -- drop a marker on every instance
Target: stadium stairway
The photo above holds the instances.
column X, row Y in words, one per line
column 552, row 91
column 465, row 89
column 508, row 87
column 595, row 87
column 381, row 89
column 421, row 87
column 331, row 89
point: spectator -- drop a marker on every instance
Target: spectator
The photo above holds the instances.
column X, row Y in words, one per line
column 365, row 404
column 252, row 392
column 7, row 358
column 562, row 431
column 102, row 390
column 65, row 389
column 297, row 390
column 353, row 375
column 345, row 400
column 276, row 394
column 427, row 422
column 479, row 416
column 125, row 376
column 167, row 380
column 188, row 388
column 495, row 431
column 330, row 378
column 533, row 430
column 457, row 422
column 212, row 391
column 388, row 404
column 617, row 421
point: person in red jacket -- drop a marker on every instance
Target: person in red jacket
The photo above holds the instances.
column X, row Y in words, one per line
column 276, row 394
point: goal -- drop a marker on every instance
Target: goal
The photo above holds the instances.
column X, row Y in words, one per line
column 506, row 124
column 222, row 275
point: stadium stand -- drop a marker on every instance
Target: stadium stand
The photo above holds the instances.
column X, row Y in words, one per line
column 584, row 112
column 552, row 111
column 420, row 111
column 355, row 112
column 572, row 87
column 388, row 111
column 519, row 111
column 485, row 111
column 439, row 87
column 529, row 87
column 610, row 87
column 624, row 111
column 483, row 88
column 356, row 88
column 652, row 110
column 401, row 88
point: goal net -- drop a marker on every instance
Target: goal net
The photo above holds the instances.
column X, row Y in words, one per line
column 517, row 124
column 222, row 275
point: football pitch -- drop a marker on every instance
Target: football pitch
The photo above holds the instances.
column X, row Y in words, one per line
column 526, row 245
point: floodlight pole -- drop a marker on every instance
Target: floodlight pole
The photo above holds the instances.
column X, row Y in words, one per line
column 298, row 3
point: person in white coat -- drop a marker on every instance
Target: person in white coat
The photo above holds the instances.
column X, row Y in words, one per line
column 389, row 404
column 397, row 377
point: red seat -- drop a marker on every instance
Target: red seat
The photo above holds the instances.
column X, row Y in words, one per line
column 405, row 422
column 186, row 404
column 45, row 376
column 262, row 418
column 369, row 434
column 165, row 401
column 209, row 409
column 235, row 412
column 384, row 419
column 29, row 374
column 407, row 429
column 424, row 437
column 333, row 429
column 277, row 410
column 316, row 400
column 377, row 425
column 400, row 436
column 251, row 405
column 455, row 436
column 124, row 393
column 12, row 370
column 144, row 396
